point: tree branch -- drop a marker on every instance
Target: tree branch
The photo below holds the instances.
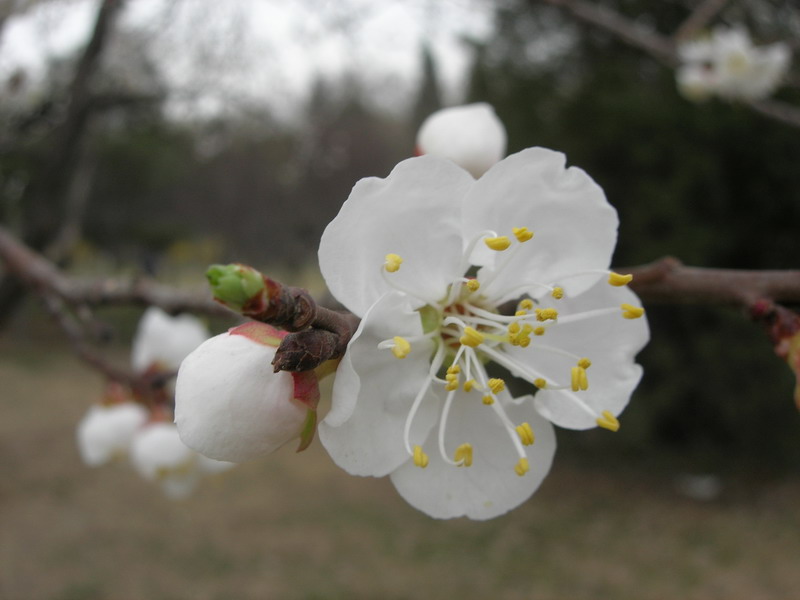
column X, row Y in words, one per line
column 699, row 18
column 632, row 33
column 669, row 281
column 662, row 48
column 41, row 275
column 320, row 334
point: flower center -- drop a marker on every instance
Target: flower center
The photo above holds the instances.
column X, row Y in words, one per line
column 470, row 330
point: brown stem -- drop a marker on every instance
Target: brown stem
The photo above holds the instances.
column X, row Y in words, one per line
column 669, row 281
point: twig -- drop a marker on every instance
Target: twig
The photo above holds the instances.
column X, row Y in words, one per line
column 699, row 18
column 632, row 33
column 669, row 281
column 38, row 273
column 778, row 111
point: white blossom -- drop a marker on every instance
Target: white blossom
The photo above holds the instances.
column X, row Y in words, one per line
column 159, row 455
column 230, row 405
column 105, row 431
column 471, row 136
column 164, row 341
column 728, row 65
column 427, row 258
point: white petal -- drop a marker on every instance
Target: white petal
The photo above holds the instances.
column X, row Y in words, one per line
column 211, row 466
column 106, row 431
column 610, row 342
column 471, row 136
column 490, row 487
column 575, row 228
column 157, row 450
column 165, row 340
column 373, row 394
column 230, row 405
column 413, row 213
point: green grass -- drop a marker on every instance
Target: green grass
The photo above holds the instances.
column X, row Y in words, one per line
column 294, row 526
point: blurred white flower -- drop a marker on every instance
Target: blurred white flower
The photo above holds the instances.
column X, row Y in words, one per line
column 471, row 136
column 105, row 432
column 230, row 405
column 728, row 65
column 164, row 341
column 704, row 488
column 428, row 258
column 159, row 455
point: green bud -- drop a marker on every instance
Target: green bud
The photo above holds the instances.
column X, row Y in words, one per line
column 235, row 285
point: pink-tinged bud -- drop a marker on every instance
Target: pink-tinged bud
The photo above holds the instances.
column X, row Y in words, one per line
column 783, row 327
column 105, row 432
column 230, row 405
column 164, row 341
column 471, row 136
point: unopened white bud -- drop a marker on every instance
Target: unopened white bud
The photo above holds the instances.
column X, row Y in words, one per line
column 105, row 432
column 230, row 405
column 471, row 136
column 159, row 455
column 164, row 340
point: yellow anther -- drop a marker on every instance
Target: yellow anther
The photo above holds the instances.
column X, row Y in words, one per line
column 618, row 280
column 471, row 337
column 579, row 381
column 527, row 328
column 520, row 313
column 513, row 328
column 393, row 262
column 463, row 455
column 540, row 383
column 631, row 312
column 498, row 243
column 608, row 421
column 488, row 400
column 524, row 341
column 473, row 285
column 584, row 363
column 525, row 434
column 401, row 347
column 469, row 384
column 539, row 331
column 523, row 234
column 526, row 304
column 546, row 314
column 522, row 467
column 557, row 293
column 420, row 458
column 583, row 380
column 452, row 378
column 497, row 385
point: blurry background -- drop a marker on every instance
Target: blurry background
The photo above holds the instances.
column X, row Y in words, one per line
column 211, row 131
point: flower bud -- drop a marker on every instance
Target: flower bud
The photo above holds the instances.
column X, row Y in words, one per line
column 230, row 405
column 159, row 455
column 105, row 432
column 239, row 287
column 165, row 341
column 471, row 136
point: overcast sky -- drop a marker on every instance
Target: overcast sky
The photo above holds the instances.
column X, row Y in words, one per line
column 269, row 50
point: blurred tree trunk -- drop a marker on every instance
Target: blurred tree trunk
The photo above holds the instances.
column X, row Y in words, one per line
column 47, row 208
